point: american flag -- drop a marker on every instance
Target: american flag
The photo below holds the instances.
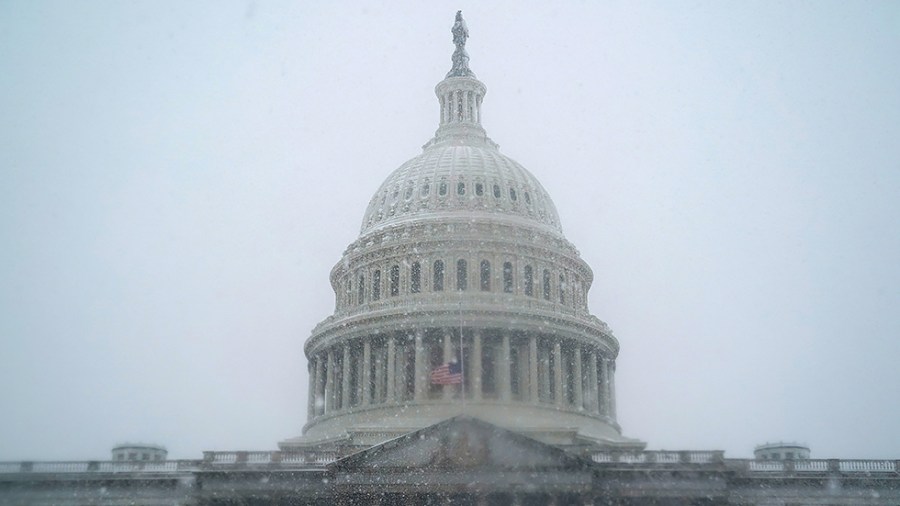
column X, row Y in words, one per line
column 447, row 374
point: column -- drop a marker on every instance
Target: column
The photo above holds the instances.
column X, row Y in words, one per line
column 579, row 380
column 476, row 367
column 612, row 389
column 603, row 385
column 478, row 108
column 329, row 383
column 420, row 366
column 367, row 372
column 320, row 385
column 468, row 106
column 345, row 378
column 378, row 387
column 533, row 385
column 593, row 404
column 311, row 390
column 502, row 371
column 454, row 113
column 448, row 353
column 558, row 373
column 391, row 369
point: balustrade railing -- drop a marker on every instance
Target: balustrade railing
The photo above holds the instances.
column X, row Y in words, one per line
column 659, row 457
column 868, row 466
column 816, row 466
column 318, row 459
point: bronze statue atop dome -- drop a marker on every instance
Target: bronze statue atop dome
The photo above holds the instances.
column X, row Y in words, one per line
column 460, row 57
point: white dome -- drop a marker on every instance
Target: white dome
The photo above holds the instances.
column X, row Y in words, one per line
column 477, row 182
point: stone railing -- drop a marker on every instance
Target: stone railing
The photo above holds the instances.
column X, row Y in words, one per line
column 748, row 466
column 216, row 460
column 276, row 460
column 659, row 457
column 308, row 458
column 94, row 466
column 811, row 466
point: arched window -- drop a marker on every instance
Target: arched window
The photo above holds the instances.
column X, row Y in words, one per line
column 546, row 283
column 460, row 188
column 485, row 276
column 361, row 287
column 462, row 276
column 438, row 284
column 425, row 189
column 395, row 280
column 562, row 289
column 496, row 191
column 442, row 188
column 349, row 291
column 512, row 194
column 529, row 281
column 507, row 277
column 479, row 189
column 415, row 278
column 376, row 284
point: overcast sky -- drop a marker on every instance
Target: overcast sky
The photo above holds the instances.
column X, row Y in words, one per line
column 178, row 178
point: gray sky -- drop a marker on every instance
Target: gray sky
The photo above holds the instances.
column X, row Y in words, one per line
column 177, row 180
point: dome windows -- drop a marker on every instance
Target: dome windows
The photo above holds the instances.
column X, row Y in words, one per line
column 395, row 280
column 507, row 277
column 438, row 271
column 462, row 275
column 426, row 187
column 376, row 284
column 415, row 278
column 442, row 188
column 546, row 284
column 529, row 280
column 388, row 280
column 512, row 194
column 485, row 276
column 496, row 191
column 479, row 189
column 461, row 188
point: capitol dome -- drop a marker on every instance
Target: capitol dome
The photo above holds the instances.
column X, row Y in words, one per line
column 475, row 181
column 461, row 296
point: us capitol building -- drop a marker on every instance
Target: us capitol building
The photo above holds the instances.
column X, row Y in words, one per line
column 461, row 366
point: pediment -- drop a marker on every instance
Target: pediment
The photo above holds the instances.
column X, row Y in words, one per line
column 461, row 443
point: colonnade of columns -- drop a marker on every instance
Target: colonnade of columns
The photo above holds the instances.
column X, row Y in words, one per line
column 497, row 365
column 461, row 106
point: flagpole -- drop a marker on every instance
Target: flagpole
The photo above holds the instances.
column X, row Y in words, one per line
column 462, row 355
